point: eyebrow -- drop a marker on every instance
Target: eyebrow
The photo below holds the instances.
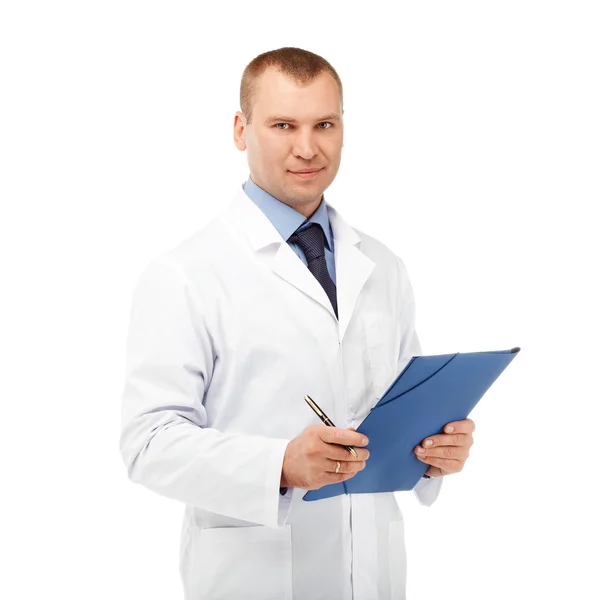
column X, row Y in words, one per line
column 280, row 119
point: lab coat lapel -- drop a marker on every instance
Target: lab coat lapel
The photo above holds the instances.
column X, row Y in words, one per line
column 352, row 266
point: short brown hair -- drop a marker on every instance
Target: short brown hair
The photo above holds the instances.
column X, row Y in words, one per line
column 300, row 65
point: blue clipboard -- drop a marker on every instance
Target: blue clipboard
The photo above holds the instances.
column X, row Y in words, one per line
column 429, row 392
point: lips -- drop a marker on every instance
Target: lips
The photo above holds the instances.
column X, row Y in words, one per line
column 306, row 175
column 301, row 171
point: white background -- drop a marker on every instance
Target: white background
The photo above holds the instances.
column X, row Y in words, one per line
column 471, row 149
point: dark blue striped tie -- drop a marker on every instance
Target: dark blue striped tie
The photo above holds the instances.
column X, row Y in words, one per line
column 312, row 242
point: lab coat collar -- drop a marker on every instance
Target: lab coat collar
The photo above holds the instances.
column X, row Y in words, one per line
column 285, row 218
column 352, row 266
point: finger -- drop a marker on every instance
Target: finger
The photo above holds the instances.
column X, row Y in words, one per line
column 335, row 435
column 447, row 464
column 336, row 478
column 345, row 467
column 335, row 452
column 329, row 478
column 445, row 439
column 455, row 452
column 465, row 426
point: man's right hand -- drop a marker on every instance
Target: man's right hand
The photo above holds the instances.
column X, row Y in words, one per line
column 310, row 459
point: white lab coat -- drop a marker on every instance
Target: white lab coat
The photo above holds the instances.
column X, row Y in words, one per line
column 228, row 331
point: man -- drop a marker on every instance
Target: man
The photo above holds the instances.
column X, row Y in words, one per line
column 276, row 298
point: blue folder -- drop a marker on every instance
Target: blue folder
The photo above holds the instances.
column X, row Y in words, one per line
column 429, row 392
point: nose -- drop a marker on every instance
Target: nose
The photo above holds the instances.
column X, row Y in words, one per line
column 304, row 145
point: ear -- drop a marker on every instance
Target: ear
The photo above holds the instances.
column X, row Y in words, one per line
column 239, row 131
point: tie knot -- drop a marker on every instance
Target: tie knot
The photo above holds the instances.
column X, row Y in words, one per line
column 311, row 240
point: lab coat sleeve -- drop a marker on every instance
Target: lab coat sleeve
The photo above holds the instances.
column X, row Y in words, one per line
column 165, row 442
column 426, row 490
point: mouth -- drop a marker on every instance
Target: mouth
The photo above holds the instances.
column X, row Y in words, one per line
column 307, row 173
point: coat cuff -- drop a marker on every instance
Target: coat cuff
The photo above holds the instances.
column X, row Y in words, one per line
column 427, row 490
column 285, row 503
column 278, row 505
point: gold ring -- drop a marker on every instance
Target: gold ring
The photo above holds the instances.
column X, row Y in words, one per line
column 337, row 469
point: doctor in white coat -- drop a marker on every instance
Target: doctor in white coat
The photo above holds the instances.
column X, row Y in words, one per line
column 231, row 328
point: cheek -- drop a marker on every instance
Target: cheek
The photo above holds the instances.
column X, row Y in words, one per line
column 333, row 166
column 334, row 153
column 271, row 144
column 274, row 156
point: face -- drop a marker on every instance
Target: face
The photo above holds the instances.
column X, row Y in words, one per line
column 293, row 128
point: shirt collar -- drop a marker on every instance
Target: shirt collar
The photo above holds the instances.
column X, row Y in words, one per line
column 285, row 218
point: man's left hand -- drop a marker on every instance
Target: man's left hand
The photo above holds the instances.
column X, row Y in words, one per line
column 447, row 452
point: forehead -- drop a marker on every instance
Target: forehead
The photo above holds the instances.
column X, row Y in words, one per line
column 278, row 94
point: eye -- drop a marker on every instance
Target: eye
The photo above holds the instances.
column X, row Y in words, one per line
column 322, row 123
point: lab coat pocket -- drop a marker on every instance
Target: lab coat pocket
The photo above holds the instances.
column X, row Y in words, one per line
column 397, row 559
column 241, row 562
column 381, row 335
